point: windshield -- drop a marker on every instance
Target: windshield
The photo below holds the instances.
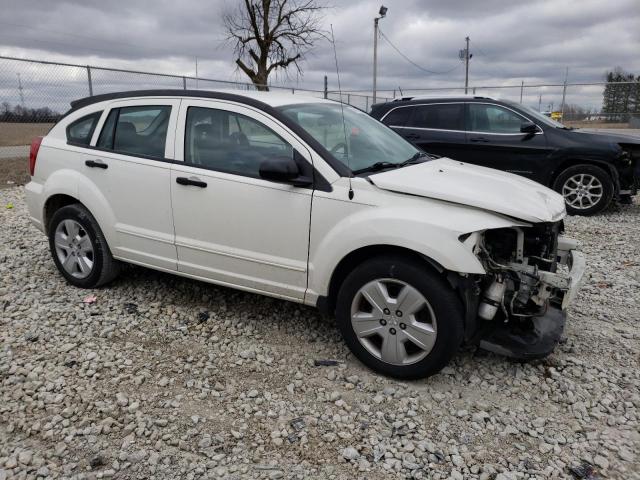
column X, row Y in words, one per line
column 540, row 117
column 360, row 143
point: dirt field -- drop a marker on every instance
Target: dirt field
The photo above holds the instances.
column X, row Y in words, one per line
column 585, row 124
column 13, row 171
column 21, row 133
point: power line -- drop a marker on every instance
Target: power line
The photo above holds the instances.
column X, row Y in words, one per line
column 411, row 61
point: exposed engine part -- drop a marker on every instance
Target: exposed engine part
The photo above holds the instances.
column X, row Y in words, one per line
column 492, row 299
column 522, row 263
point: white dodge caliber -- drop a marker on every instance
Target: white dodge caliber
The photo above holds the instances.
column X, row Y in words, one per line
column 314, row 202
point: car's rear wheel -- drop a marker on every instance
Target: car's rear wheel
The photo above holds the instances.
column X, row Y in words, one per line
column 586, row 189
column 399, row 318
column 79, row 248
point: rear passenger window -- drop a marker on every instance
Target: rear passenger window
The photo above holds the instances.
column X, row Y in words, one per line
column 230, row 142
column 81, row 131
column 446, row 116
column 398, row 117
column 136, row 130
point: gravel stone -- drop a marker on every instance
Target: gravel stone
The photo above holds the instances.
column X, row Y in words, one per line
column 142, row 381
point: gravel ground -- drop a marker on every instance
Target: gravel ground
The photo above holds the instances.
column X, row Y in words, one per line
column 164, row 377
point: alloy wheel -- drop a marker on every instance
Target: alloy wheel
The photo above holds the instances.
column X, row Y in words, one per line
column 393, row 321
column 582, row 191
column 74, row 248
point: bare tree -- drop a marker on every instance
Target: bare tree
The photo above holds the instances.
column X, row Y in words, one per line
column 270, row 35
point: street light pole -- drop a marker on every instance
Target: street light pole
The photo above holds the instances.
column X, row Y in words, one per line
column 383, row 13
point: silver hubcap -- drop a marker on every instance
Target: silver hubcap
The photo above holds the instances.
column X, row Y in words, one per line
column 582, row 191
column 74, row 248
column 393, row 321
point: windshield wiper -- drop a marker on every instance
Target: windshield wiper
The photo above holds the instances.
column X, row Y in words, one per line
column 413, row 159
column 376, row 167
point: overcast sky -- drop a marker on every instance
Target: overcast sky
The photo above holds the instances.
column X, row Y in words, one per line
column 511, row 41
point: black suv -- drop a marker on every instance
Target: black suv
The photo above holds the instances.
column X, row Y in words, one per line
column 588, row 169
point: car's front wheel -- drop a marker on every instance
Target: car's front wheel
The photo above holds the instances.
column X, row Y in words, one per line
column 79, row 248
column 586, row 189
column 399, row 318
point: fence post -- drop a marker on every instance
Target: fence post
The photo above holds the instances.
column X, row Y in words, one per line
column 326, row 89
column 89, row 81
column 184, row 83
column 366, row 103
column 348, row 98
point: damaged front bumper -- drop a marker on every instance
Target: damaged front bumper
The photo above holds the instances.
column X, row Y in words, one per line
column 538, row 335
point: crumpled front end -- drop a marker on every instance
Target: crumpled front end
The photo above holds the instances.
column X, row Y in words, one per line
column 533, row 274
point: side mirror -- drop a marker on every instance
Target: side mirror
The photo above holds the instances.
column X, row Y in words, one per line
column 283, row 170
column 528, row 127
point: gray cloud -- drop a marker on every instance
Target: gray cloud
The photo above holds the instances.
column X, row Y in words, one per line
column 511, row 41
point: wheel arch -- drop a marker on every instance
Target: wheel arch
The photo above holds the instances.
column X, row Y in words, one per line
column 54, row 203
column 326, row 304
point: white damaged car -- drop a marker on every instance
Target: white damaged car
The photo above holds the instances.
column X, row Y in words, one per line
column 314, row 202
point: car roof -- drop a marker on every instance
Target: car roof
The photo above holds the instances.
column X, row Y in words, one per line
column 271, row 98
column 419, row 99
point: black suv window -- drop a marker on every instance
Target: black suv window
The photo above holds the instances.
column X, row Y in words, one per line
column 397, row 117
column 230, row 142
column 81, row 131
column 136, row 130
column 493, row 119
column 444, row 116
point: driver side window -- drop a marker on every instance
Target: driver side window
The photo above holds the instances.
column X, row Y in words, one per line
column 493, row 119
column 230, row 142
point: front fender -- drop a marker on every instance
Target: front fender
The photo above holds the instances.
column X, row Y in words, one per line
column 429, row 227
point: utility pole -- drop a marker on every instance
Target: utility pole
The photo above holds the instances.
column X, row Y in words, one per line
column 383, row 13
column 540, row 103
column 564, row 92
column 521, row 90
column 21, row 90
column 466, row 67
column 196, row 73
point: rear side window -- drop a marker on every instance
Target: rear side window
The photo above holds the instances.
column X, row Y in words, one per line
column 446, row 116
column 230, row 142
column 136, row 130
column 81, row 131
column 398, row 117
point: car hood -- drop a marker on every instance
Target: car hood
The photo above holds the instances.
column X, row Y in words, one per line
column 480, row 187
column 605, row 137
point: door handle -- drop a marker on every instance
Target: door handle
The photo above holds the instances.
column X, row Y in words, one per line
column 96, row 164
column 191, row 181
column 479, row 139
column 412, row 136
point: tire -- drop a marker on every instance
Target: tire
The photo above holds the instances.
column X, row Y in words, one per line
column 594, row 198
column 75, row 235
column 439, row 321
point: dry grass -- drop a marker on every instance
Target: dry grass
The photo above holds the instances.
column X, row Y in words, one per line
column 587, row 124
column 13, row 171
column 12, row 134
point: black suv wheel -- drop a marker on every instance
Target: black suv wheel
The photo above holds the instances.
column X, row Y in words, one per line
column 586, row 189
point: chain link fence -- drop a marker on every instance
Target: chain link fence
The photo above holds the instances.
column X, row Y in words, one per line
column 34, row 94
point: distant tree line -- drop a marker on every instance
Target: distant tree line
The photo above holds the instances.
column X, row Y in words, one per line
column 20, row 114
column 621, row 99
